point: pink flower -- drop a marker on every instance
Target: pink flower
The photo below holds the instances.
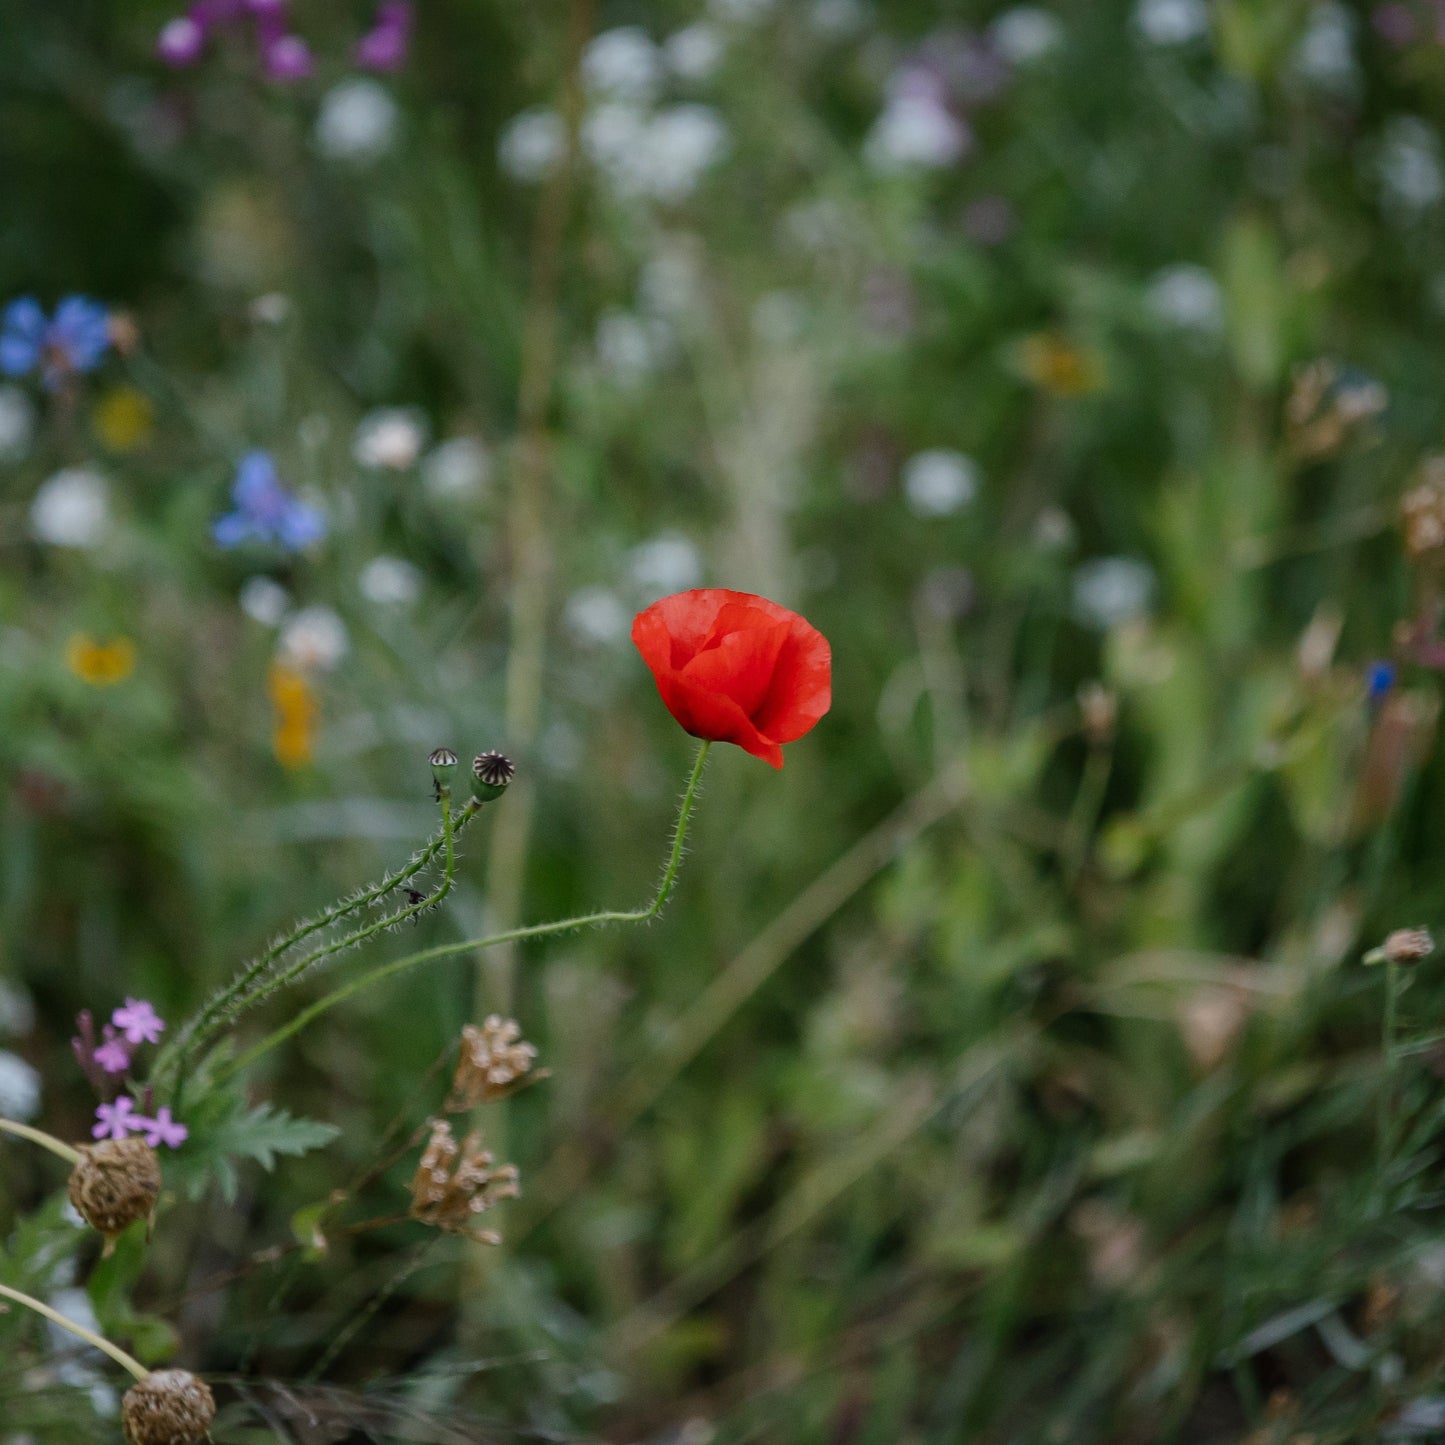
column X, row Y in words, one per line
column 116, row 1120
column 163, row 1130
column 112, row 1055
column 138, row 1021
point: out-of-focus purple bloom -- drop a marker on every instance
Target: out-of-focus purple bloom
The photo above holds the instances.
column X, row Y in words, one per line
column 1393, row 23
column 116, row 1120
column 181, row 41
column 208, row 13
column 138, row 1021
column 75, row 339
column 162, row 1129
column 384, row 47
column 288, row 58
column 112, row 1055
column 266, row 511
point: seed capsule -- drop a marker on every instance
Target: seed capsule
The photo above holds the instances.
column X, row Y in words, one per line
column 168, row 1407
column 491, row 772
column 115, row 1183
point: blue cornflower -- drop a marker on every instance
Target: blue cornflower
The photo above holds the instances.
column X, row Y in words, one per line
column 265, row 510
column 1379, row 679
column 75, row 339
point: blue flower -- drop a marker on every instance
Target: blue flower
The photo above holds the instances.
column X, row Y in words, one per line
column 265, row 510
column 1379, row 679
column 75, row 339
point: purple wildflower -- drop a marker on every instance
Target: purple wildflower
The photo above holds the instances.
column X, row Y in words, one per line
column 116, row 1120
column 75, row 339
column 288, row 58
column 112, row 1055
column 385, row 45
column 265, row 510
column 138, row 1021
column 181, row 41
column 163, row 1130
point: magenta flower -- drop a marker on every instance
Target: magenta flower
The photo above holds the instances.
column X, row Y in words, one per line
column 112, row 1055
column 163, row 1130
column 384, row 46
column 288, row 58
column 138, row 1021
column 116, row 1120
column 181, row 41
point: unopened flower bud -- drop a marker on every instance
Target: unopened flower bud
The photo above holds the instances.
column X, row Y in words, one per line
column 115, row 1183
column 1407, row 945
column 168, row 1407
column 443, row 764
column 491, row 772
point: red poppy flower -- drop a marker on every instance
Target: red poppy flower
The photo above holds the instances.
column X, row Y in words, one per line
column 735, row 668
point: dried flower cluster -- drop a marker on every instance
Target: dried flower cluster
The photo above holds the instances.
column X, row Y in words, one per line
column 168, row 1407
column 493, row 1058
column 1327, row 406
column 1423, row 509
column 454, row 1184
column 116, row 1182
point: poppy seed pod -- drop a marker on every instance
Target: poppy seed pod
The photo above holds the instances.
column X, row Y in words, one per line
column 168, row 1407
column 115, row 1183
column 491, row 772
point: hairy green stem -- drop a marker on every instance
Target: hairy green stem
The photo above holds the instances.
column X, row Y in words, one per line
column 648, row 911
column 46, row 1141
column 79, row 1331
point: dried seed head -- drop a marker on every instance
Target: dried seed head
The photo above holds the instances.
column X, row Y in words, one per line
column 491, row 772
column 1408, row 945
column 115, row 1183
column 443, row 758
column 168, row 1407
column 492, row 1059
column 453, row 1185
column 1423, row 510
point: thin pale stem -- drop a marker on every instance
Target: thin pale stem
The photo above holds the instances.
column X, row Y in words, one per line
column 601, row 919
column 46, row 1141
column 79, row 1331
column 1390, row 1055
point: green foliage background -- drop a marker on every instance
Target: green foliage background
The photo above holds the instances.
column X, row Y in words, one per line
column 987, row 1079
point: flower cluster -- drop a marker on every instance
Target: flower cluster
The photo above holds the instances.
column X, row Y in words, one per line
column 104, row 1060
column 265, row 511
column 493, row 1058
column 455, row 1183
column 284, row 55
column 74, row 340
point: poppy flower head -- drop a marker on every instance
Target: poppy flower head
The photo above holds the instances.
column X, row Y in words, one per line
column 733, row 667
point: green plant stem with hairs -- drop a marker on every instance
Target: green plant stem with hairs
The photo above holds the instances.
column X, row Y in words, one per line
column 79, row 1331
column 37, row 1136
column 600, row 919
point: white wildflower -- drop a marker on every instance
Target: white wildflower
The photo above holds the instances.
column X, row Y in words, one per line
column 1325, row 55
column 1409, row 164
column 837, row 19
column 622, row 63
column 357, row 121
column 664, row 564
column 19, row 1088
column 1171, row 22
column 458, row 467
column 72, row 509
column 938, row 482
column 1110, row 591
column 17, row 1010
column 532, row 143
column 741, row 12
column 390, row 582
column 1187, row 297
column 916, row 131
column 17, row 423
column 631, row 346
column 1026, row 33
column 391, row 437
column 595, row 615
column 694, row 52
column 314, row 639
column 264, row 600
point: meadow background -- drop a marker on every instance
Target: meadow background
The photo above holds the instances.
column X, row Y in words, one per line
column 1005, row 1069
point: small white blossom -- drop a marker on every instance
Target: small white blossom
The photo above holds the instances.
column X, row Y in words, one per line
column 939, row 481
column 694, row 52
column 596, row 615
column 390, row 582
column 271, row 309
column 1187, row 297
column 458, row 467
column 916, row 131
column 264, row 600
column 661, row 157
column 72, row 509
column 1110, row 591
column 622, row 63
column 1409, row 163
column 631, row 346
column 1026, row 33
column 391, row 437
column 314, row 639
column 17, row 423
column 1325, row 55
column 670, row 280
column 19, row 1088
column 664, row 564
column 1172, row 22
column 532, row 143
column 838, row 18
column 357, row 121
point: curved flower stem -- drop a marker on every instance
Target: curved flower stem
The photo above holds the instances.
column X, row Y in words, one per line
column 79, row 1331
column 601, row 919
column 46, row 1141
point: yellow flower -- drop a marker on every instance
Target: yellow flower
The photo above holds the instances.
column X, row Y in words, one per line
column 124, row 418
column 1053, row 364
column 297, row 715
column 101, row 664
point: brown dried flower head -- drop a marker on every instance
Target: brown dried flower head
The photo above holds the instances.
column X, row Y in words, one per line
column 454, row 1184
column 493, row 1058
column 168, row 1407
column 115, row 1183
column 1423, row 509
column 1408, row 945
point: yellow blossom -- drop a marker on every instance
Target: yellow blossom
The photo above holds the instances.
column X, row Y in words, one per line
column 1056, row 365
column 124, row 418
column 297, row 714
column 101, row 664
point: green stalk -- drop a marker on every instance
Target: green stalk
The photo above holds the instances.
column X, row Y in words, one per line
column 79, row 1331
column 601, row 919
column 46, row 1141
column 1387, row 1091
